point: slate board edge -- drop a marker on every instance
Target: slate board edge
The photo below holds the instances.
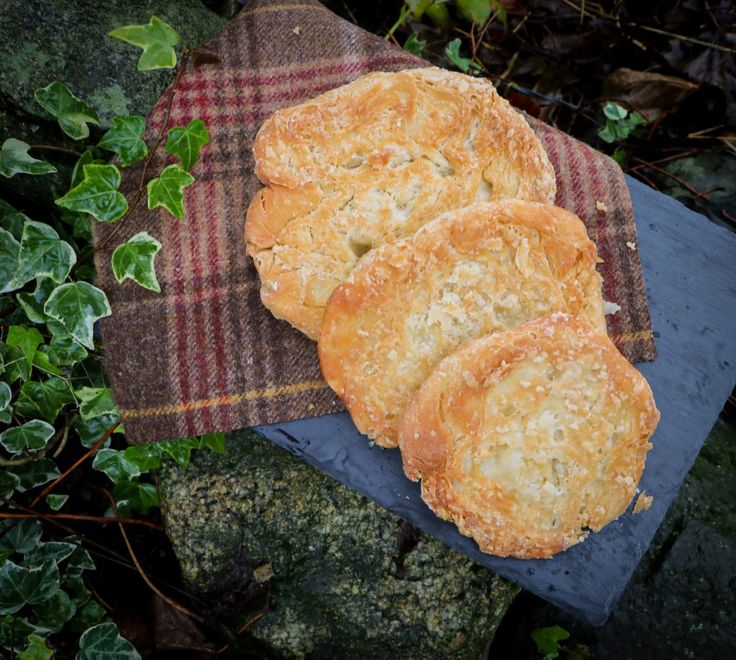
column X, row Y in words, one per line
column 595, row 612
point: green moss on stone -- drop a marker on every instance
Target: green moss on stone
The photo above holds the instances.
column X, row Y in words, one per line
column 337, row 589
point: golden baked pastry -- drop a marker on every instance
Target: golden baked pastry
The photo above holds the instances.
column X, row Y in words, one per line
column 473, row 271
column 529, row 439
column 373, row 161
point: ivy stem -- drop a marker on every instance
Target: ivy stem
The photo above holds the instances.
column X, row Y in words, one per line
column 80, row 516
column 76, row 464
column 110, row 554
column 147, row 162
column 178, row 607
column 51, row 147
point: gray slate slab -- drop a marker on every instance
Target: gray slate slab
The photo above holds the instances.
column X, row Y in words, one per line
column 689, row 265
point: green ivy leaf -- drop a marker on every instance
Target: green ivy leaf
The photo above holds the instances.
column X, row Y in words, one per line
column 75, row 587
column 54, row 612
column 134, row 260
column 615, row 112
column 452, row 52
column 77, row 306
column 414, row 44
column 214, row 442
column 180, row 449
column 167, row 190
column 9, row 249
column 15, row 363
column 72, row 113
column 607, row 134
column 42, row 254
column 5, row 396
column 26, row 340
column 114, row 464
column 87, row 158
column 548, row 639
column 20, row 536
column 35, row 473
column 186, row 142
column 8, row 483
column 64, row 351
column 418, row 7
column 14, row 631
column 43, row 399
column 32, row 303
column 21, row 586
column 125, row 139
column 439, row 15
column 55, row 501
column 134, row 497
column 104, row 641
column 95, row 401
column 97, row 194
column 56, row 550
column 12, row 220
column 156, row 39
column 14, row 159
column 89, row 615
column 31, row 436
column 36, row 649
column 42, row 362
column 79, row 561
column 91, row 430
column 147, row 457
column 477, row 11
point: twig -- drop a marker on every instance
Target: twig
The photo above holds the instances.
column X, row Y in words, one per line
column 601, row 14
column 350, row 13
column 51, row 147
column 667, row 159
column 66, row 528
column 241, row 630
column 80, row 516
column 682, row 37
column 675, row 178
column 179, row 608
column 76, row 464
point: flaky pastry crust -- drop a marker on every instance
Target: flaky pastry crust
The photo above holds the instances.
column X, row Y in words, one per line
column 529, row 439
column 482, row 269
column 373, row 161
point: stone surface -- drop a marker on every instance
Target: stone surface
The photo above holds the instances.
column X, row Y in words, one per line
column 338, row 575
column 682, row 598
column 66, row 40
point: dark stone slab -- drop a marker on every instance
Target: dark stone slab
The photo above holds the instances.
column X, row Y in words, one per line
column 688, row 267
column 680, row 603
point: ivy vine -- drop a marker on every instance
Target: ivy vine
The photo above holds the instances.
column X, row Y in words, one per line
column 55, row 404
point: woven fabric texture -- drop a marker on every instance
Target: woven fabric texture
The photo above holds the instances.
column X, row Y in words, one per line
column 204, row 355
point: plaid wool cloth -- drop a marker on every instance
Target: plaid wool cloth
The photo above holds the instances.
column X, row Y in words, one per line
column 205, row 355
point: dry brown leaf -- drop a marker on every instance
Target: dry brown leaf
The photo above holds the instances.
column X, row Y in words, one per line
column 651, row 94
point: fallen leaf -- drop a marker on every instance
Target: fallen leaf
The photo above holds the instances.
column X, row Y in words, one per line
column 651, row 94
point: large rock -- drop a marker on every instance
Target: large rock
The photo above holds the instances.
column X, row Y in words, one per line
column 66, row 40
column 338, row 576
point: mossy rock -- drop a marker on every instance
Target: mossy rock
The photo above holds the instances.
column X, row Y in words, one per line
column 67, row 40
column 338, row 576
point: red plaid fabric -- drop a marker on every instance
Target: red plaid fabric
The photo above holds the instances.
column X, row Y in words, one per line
column 205, row 355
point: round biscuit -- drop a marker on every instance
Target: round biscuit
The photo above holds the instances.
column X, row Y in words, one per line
column 482, row 269
column 529, row 439
column 373, row 161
